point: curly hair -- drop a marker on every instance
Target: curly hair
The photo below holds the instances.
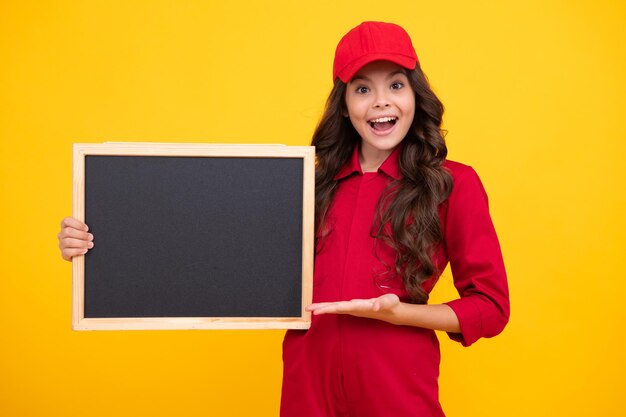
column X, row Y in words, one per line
column 407, row 217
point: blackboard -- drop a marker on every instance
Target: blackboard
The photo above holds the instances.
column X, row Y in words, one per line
column 193, row 236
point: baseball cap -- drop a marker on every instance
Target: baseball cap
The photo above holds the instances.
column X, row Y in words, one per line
column 372, row 41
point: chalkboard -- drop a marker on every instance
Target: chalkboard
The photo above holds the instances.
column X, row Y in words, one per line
column 193, row 236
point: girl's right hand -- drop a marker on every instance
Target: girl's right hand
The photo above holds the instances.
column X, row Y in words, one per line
column 74, row 239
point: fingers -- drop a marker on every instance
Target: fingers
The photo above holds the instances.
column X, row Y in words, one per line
column 70, row 233
column 331, row 306
column 74, row 247
column 69, row 253
column 74, row 223
column 74, row 240
column 322, row 308
column 70, row 243
column 316, row 306
column 372, row 307
column 341, row 307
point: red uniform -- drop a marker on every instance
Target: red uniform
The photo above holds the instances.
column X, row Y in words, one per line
column 358, row 367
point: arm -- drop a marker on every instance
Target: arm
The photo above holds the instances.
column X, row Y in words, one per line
column 477, row 267
column 475, row 260
column 389, row 308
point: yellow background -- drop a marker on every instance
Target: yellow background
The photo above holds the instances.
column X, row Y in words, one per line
column 535, row 97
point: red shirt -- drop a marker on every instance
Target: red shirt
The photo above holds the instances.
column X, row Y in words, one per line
column 368, row 367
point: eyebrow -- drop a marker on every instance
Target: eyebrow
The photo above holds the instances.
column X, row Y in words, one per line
column 364, row 78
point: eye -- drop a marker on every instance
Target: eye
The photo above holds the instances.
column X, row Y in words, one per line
column 362, row 90
column 397, row 85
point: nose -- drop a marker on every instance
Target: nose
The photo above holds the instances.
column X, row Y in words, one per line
column 381, row 100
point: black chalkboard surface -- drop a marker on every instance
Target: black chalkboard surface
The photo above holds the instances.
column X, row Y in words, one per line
column 191, row 236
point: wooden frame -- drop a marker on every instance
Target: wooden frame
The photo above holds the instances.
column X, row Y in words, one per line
column 307, row 153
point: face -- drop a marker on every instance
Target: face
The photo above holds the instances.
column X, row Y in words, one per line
column 381, row 105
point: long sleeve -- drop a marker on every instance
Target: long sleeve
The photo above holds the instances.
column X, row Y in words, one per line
column 475, row 259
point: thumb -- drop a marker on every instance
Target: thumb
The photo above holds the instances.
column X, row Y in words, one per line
column 386, row 302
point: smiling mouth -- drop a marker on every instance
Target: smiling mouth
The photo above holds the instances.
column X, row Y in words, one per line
column 383, row 123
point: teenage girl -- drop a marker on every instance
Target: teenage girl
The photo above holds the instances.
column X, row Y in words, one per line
column 391, row 212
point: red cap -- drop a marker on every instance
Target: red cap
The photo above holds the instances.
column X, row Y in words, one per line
column 372, row 41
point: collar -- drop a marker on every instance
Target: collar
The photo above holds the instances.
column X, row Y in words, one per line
column 389, row 165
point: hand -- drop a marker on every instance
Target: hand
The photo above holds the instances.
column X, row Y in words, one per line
column 381, row 308
column 74, row 239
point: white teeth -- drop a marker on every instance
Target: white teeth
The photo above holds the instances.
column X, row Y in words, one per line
column 383, row 119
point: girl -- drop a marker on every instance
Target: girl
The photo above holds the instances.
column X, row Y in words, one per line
column 391, row 212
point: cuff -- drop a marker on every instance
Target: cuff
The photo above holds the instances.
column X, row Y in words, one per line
column 469, row 316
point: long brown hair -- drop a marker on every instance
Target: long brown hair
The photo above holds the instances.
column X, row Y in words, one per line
column 407, row 217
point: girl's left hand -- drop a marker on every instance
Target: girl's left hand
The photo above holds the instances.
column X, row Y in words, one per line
column 381, row 308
